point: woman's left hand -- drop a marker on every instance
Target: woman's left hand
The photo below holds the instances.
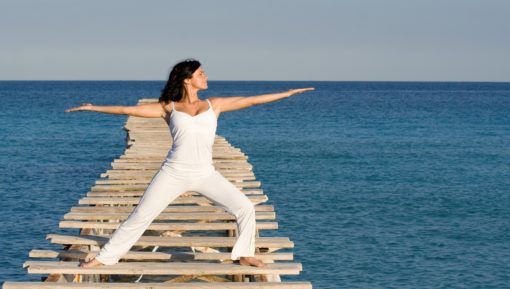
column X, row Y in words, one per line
column 84, row 106
column 292, row 92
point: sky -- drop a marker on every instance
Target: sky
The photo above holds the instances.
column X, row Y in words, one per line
column 355, row 40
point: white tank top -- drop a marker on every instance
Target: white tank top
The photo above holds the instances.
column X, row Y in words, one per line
column 193, row 137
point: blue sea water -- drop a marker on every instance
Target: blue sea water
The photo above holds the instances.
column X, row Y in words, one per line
column 379, row 184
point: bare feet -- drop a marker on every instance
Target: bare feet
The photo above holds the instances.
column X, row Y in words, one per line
column 251, row 261
column 91, row 264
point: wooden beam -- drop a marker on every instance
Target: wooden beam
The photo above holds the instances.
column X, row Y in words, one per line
column 167, row 226
column 207, row 216
column 202, row 241
column 160, row 268
column 187, row 285
column 169, row 209
column 256, row 199
column 142, row 255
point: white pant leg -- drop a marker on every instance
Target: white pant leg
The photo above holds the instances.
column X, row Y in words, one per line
column 162, row 190
column 219, row 190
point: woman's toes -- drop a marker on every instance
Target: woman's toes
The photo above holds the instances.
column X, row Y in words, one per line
column 251, row 261
column 90, row 264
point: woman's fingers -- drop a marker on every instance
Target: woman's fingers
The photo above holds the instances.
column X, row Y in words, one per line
column 84, row 106
column 306, row 89
column 72, row 109
column 301, row 90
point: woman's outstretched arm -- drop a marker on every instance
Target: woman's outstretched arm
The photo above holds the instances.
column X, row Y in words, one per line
column 143, row 110
column 236, row 103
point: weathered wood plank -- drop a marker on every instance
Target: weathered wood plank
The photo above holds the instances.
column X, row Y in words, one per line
column 187, row 285
column 161, row 157
column 149, row 161
column 135, row 187
column 146, row 180
column 217, row 166
column 163, row 146
column 167, row 226
column 128, row 193
column 256, row 199
column 170, row 209
column 214, row 242
column 141, row 255
column 160, row 268
column 144, row 174
column 207, row 216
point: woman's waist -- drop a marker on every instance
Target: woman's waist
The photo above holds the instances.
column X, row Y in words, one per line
column 188, row 164
column 189, row 156
column 187, row 169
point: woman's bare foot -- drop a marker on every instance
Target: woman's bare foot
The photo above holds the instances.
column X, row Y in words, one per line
column 91, row 264
column 251, row 261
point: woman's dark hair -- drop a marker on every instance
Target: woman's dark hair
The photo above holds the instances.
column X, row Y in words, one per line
column 174, row 87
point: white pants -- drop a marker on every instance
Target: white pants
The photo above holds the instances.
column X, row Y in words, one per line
column 170, row 182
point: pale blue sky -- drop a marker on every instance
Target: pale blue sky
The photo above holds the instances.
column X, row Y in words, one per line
column 429, row 40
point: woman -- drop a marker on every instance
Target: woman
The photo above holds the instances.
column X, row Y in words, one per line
column 188, row 166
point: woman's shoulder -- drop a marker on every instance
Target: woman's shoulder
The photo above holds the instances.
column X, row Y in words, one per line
column 213, row 98
column 166, row 107
column 215, row 102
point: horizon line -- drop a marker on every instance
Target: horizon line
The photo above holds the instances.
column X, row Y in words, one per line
column 163, row 80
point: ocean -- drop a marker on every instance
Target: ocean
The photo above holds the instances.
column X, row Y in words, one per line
column 378, row 184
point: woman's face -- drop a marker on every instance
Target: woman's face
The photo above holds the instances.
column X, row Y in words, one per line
column 198, row 79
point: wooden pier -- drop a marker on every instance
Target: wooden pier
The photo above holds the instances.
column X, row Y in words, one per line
column 187, row 245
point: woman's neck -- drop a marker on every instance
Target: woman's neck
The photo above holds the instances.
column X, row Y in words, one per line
column 190, row 97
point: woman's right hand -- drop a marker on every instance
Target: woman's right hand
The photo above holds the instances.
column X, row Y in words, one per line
column 84, row 106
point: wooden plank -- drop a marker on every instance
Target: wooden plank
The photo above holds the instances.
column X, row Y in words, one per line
column 155, row 130
column 143, row 174
column 219, row 167
column 187, row 285
column 142, row 160
column 157, row 141
column 161, row 154
column 167, row 226
column 161, row 268
column 162, row 149
column 214, row 242
column 225, row 173
column 190, row 285
column 222, row 171
column 170, row 209
column 157, row 163
column 256, row 199
column 142, row 255
column 156, row 166
column 207, row 216
column 161, row 157
column 158, row 159
column 146, row 180
column 165, row 145
column 136, row 187
column 128, row 193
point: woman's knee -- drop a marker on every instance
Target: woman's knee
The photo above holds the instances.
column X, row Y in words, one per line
column 138, row 219
column 246, row 208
